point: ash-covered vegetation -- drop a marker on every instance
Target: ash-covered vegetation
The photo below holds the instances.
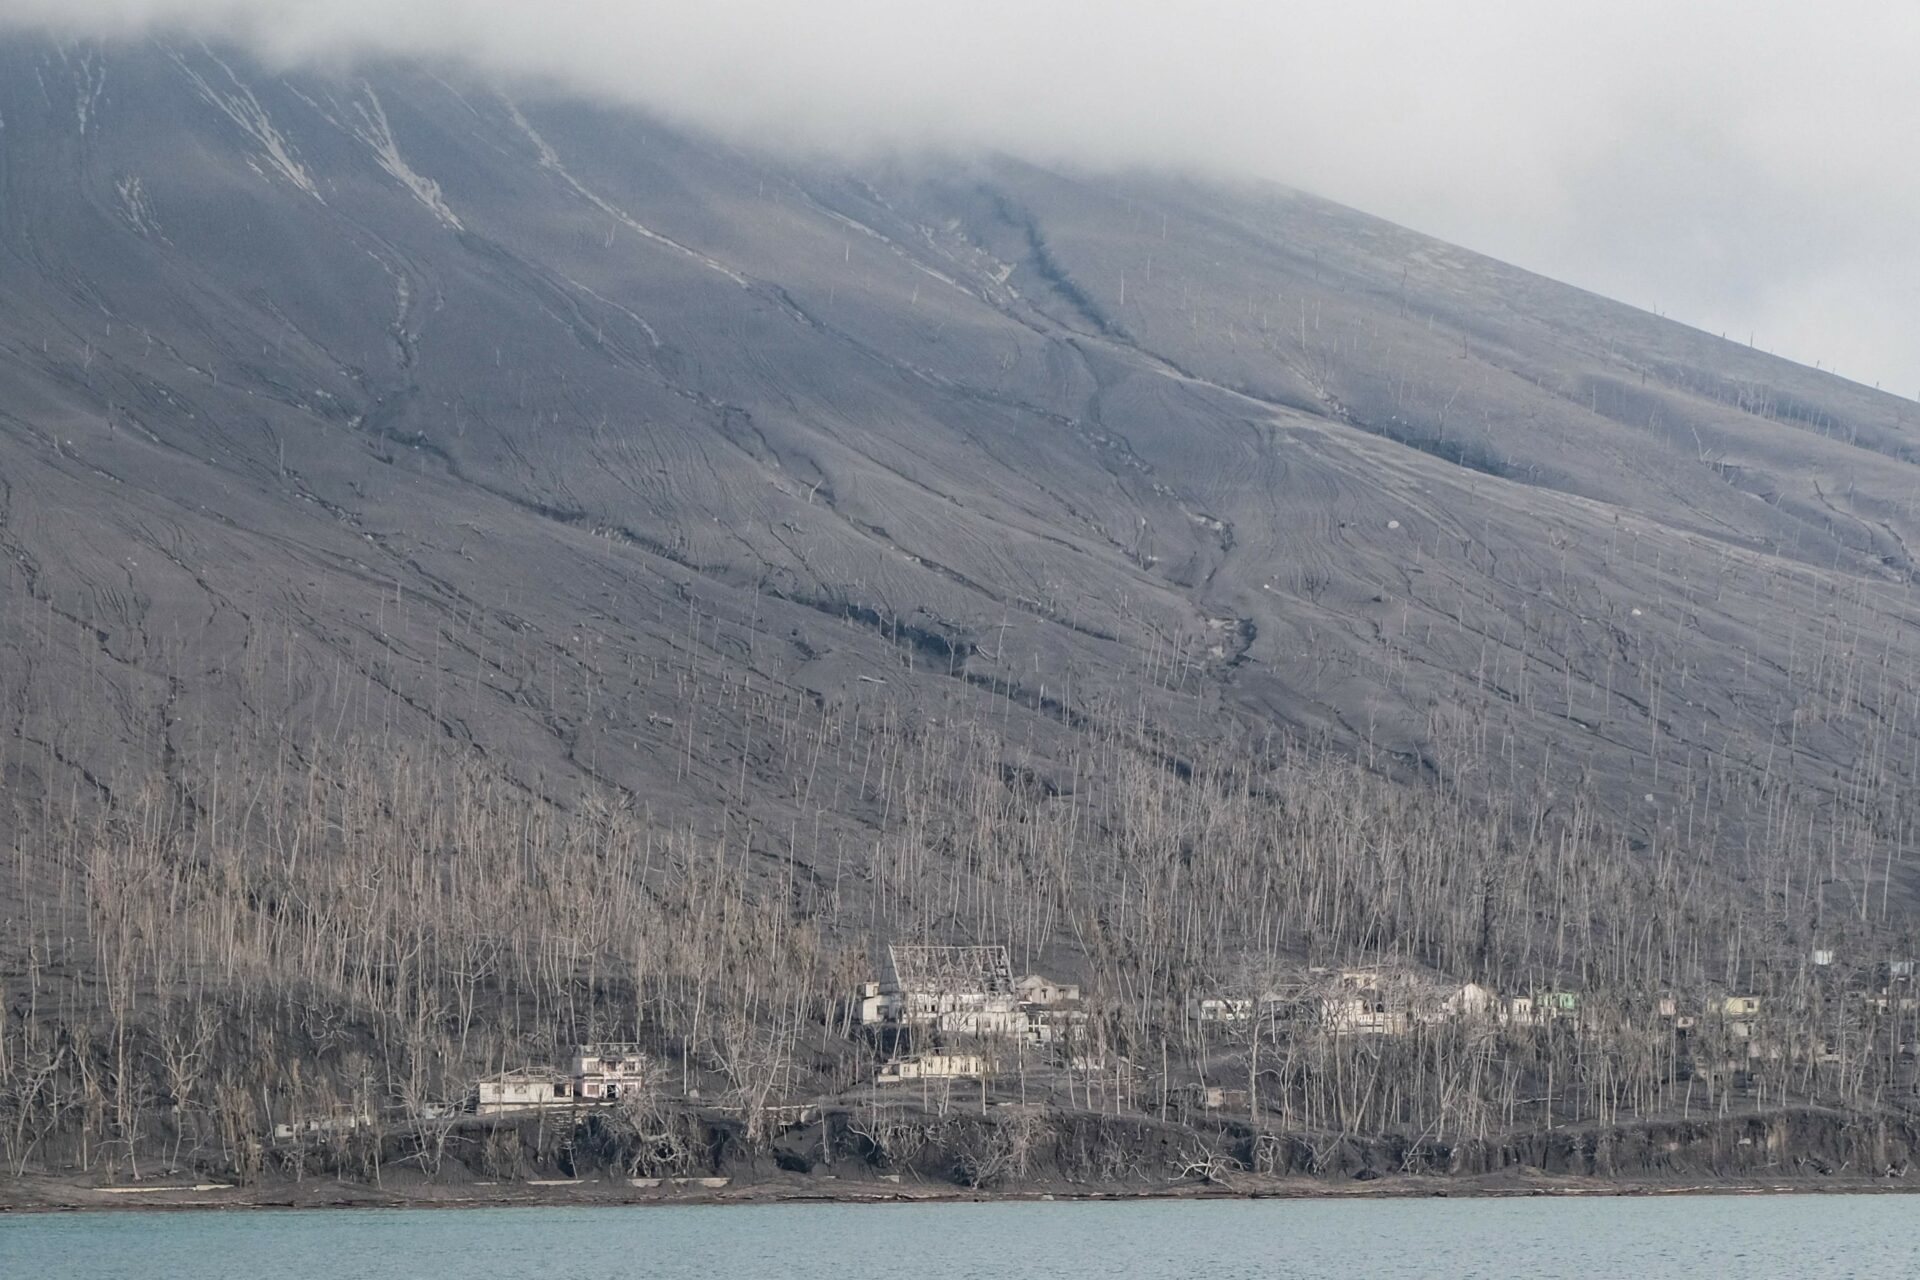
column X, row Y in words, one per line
column 258, row 936
column 485, row 572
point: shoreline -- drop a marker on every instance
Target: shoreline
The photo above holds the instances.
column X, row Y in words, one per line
column 67, row 1198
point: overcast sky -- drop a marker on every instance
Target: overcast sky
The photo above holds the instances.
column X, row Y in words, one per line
column 1746, row 167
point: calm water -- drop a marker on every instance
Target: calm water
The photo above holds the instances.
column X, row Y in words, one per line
column 1752, row 1236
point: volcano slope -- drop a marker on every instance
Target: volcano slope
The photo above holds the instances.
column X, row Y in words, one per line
column 406, row 479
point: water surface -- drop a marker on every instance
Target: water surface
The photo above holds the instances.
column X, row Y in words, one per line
column 1797, row 1237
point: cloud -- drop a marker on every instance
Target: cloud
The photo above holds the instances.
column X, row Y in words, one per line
column 1741, row 166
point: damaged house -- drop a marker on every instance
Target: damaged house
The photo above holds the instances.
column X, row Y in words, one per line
column 968, row 991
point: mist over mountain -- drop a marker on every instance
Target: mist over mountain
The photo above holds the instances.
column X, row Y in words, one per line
column 475, row 395
column 438, row 507
column 1712, row 163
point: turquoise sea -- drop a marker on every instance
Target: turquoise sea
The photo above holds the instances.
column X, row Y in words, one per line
column 1789, row 1237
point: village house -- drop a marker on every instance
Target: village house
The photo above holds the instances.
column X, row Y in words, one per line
column 603, row 1072
column 1683, row 1023
column 341, row 1121
column 1362, row 1014
column 1053, row 1024
column 1471, row 1001
column 1542, row 1009
column 1559, row 1004
column 1213, row 1097
column 1358, row 1005
column 599, row 1073
column 1294, row 1002
column 1035, row 989
column 1897, row 993
column 876, row 1006
column 1897, row 986
column 1383, row 1000
column 1051, row 1009
column 954, row 990
column 1739, row 1018
column 1362, row 1001
column 1377, row 1001
column 933, row 1066
column 519, row 1091
column 1219, row 1009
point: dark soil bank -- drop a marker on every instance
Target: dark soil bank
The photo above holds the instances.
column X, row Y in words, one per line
column 1013, row 1153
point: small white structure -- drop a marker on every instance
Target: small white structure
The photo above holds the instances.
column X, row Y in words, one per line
column 1471, row 1001
column 1741, row 1019
column 877, row 1006
column 1052, row 1009
column 1213, row 1097
column 1541, row 1009
column 603, row 1072
column 933, row 1066
column 1362, row 1014
column 519, row 1091
column 1670, row 1007
column 1219, row 1009
column 1054, row 1024
column 1035, row 989
column 1358, row 1006
column 343, row 1122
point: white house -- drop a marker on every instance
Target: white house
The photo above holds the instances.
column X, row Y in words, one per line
column 1035, row 989
column 1540, row 1010
column 1362, row 1013
column 1219, row 1009
column 1358, row 1005
column 1213, row 1097
column 877, row 1006
column 1052, row 1009
column 933, row 1066
column 520, row 1091
column 1471, row 1001
column 1053, row 1024
column 603, row 1071
column 340, row 1122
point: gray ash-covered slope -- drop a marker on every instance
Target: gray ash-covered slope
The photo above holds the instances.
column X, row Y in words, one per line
column 513, row 426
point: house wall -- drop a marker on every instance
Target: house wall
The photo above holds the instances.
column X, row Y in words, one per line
column 602, row 1072
column 934, row 1066
column 518, row 1093
column 1365, row 1015
column 1220, row 1009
